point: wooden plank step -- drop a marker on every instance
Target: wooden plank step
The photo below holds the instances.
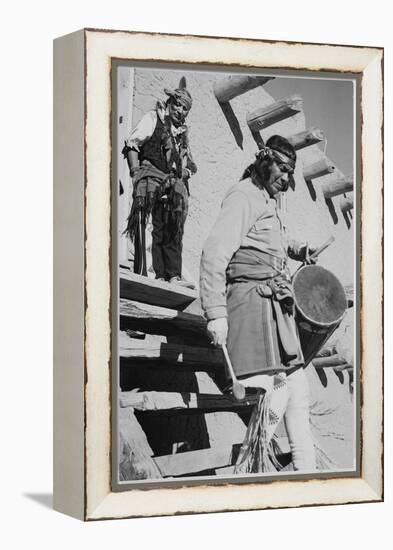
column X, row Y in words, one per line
column 150, row 291
column 192, row 462
column 170, row 402
column 161, row 320
column 158, row 348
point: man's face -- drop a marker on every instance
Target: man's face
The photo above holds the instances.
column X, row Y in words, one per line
column 177, row 111
column 278, row 179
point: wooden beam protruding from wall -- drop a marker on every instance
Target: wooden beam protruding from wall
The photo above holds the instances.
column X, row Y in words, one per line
column 318, row 169
column 275, row 112
column 306, row 138
column 346, row 203
column 337, row 187
column 229, row 87
column 330, row 361
column 349, row 293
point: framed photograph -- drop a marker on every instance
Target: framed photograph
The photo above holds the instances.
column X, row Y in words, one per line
column 218, row 274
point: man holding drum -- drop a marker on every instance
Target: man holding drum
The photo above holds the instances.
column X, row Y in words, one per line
column 248, row 301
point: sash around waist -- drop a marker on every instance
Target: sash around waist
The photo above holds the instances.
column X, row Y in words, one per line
column 254, row 265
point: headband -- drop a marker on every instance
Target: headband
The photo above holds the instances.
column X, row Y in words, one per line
column 182, row 95
column 273, row 154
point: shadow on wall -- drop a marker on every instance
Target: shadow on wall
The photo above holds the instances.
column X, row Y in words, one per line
column 347, row 215
column 311, row 189
column 340, row 375
column 233, row 123
column 332, row 210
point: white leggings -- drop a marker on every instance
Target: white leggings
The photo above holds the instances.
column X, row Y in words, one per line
column 295, row 409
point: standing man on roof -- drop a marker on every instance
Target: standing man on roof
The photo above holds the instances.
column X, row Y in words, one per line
column 160, row 163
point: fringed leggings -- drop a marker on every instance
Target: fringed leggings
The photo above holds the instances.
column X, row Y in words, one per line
column 289, row 398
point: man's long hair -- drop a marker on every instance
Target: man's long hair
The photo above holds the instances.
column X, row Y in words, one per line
column 264, row 160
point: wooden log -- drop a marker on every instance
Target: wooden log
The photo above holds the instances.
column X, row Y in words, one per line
column 185, row 401
column 337, row 187
column 306, row 138
column 266, row 116
column 334, row 360
column 346, row 203
column 349, row 293
column 341, row 368
column 160, row 349
column 143, row 289
column 160, row 320
column 135, row 460
column 320, row 168
column 327, row 351
column 229, row 87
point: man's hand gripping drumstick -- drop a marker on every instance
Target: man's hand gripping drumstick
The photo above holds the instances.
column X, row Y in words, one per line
column 217, row 329
column 312, row 258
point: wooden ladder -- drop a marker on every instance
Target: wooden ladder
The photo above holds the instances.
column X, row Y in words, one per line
column 154, row 340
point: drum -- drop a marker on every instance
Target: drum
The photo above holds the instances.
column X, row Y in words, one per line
column 320, row 304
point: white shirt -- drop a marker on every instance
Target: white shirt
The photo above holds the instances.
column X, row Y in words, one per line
column 145, row 129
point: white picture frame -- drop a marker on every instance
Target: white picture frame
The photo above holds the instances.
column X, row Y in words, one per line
column 83, row 273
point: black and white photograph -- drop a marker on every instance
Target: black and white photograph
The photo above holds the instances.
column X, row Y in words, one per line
column 234, row 241
column 197, row 280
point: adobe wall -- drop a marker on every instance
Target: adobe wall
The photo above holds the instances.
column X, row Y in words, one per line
column 221, row 162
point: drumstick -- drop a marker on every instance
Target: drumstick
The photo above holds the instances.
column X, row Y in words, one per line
column 239, row 391
column 322, row 248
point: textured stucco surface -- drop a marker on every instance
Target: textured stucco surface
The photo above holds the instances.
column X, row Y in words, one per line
column 221, row 161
